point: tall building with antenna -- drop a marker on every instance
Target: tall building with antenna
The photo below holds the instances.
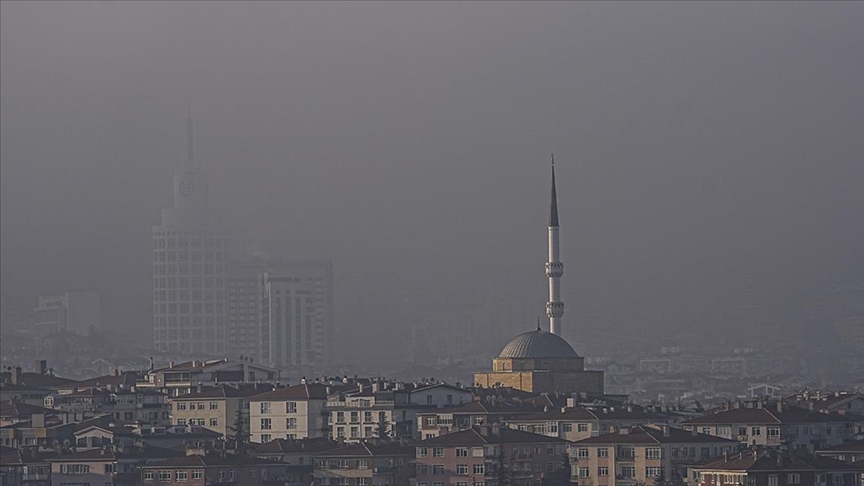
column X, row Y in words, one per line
column 190, row 260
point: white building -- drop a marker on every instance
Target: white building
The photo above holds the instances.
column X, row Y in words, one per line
column 190, row 256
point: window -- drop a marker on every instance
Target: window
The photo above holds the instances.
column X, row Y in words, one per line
column 582, row 453
column 773, row 432
column 461, row 469
column 479, row 469
column 340, row 417
column 477, row 452
column 265, row 407
column 214, row 405
column 422, row 469
column 355, row 417
column 837, row 479
column 461, row 452
column 461, row 483
column 653, row 472
column 291, row 423
column 266, row 424
column 565, row 427
column 214, row 422
column 290, row 407
column 755, row 431
column 164, row 476
column 361, row 464
column 437, row 452
column 706, row 430
column 793, row 478
column 181, row 405
column 197, row 474
column 74, row 469
column 628, row 472
column 340, row 432
column 602, row 471
column 584, row 472
column 602, row 452
column 265, row 438
column 438, row 469
column 355, row 432
column 582, row 427
column 742, row 430
column 181, row 475
column 200, row 405
column 367, row 416
column 653, row 453
column 109, row 468
column 148, row 475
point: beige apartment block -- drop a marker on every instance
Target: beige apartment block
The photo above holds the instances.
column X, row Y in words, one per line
column 215, row 408
column 577, row 423
column 293, row 412
column 641, row 454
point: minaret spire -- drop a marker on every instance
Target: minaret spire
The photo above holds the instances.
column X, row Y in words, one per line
column 554, row 267
column 190, row 141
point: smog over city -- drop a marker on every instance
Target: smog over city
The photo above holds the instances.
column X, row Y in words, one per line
column 177, row 177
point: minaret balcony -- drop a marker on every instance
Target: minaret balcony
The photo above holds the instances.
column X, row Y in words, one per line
column 554, row 269
column 554, row 309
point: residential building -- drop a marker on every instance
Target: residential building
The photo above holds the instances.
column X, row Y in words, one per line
column 639, row 455
column 130, row 405
column 364, row 464
column 387, row 410
column 77, row 312
column 440, row 421
column 293, row 412
column 488, row 455
column 215, row 408
column 577, row 423
column 116, row 466
column 764, row 468
column 183, row 378
column 774, row 425
column 297, row 455
column 852, row 451
column 200, row 469
column 25, row 467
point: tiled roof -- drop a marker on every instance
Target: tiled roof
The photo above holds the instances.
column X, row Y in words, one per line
column 645, row 434
column 478, row 407
column 751, row 461
column 226, row 391
column 124, row 378
column 148, row 452
column 21, row 409
column 367, row 449
column 283, row 446
column 766, row 416
column 473, row 436
column 314, row 391
column 197, row 460
column 853, row 446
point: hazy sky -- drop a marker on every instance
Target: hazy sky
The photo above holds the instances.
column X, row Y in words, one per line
column 698, row 145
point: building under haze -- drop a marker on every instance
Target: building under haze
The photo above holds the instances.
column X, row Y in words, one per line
column 190, row 259
column 540, row 361
column 281, row 312
column 77, row 312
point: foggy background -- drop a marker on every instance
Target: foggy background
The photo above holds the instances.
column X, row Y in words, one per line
column 706, row 154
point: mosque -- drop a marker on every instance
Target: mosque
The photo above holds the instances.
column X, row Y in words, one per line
column 541, row 361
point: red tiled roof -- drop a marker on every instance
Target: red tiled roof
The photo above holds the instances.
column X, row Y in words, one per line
column 314, row 391
column 645, row 434
column 473, row 436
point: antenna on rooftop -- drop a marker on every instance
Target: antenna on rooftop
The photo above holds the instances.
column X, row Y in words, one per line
column 190, row 144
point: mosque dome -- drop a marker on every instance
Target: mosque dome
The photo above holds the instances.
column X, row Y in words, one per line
column 538, row 344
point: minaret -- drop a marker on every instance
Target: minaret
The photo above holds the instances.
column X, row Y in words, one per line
column 554, row 268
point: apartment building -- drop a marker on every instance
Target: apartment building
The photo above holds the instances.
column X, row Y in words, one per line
column 108, row 465
column 432, row 423
column 364, row 464
column 488, row 455
column 206, row 469
column 215, row 408
column 385, row 409
column 577, row 423
column 775, row 425
column 183, row 378
column 641, row 454
column 293, row 412
column 767, row 468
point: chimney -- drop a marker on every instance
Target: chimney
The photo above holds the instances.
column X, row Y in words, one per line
column 496, row 429
column 759, row 404
column 693, row 431
column 41, row 367
column 37, row 420
column 360, row 388
column 624, row 431
column 665, row 428
column 115, row 372
column 199, row 387
column 171, row 364
column 780, row 406
column 17, row 376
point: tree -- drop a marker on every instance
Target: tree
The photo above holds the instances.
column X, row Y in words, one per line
column 502, row 469
column 559, row 477
column 239, row 434
column 660, row 480
column 382, row 431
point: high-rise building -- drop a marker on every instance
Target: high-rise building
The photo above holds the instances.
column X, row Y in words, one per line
column 190, row 259
column 281, row 312
column 77, row 312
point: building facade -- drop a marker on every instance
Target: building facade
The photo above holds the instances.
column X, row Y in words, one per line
column 293, row 412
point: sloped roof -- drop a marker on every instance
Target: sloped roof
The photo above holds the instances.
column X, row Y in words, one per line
column 764, row 461
column 766, row 416
column 197, row 460
column 853, row 446
column 367, row 449
column 306, row 391
column 473, row 436
column 644, row 434
column 226, row 391
column 11, row 408
column 284, row 446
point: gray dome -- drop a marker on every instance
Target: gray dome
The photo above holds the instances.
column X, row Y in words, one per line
column 538, row 344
